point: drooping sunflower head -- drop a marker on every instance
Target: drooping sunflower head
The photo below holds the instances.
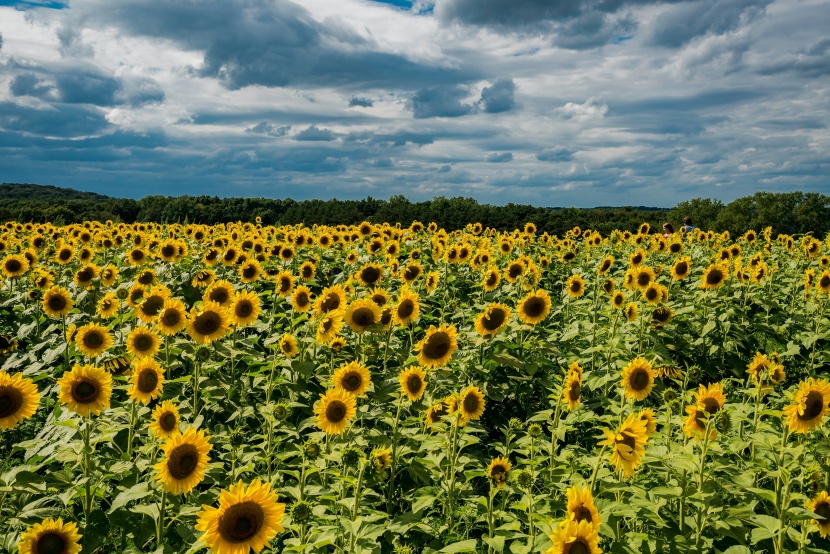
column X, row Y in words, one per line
column 334, row 410
column 50, row 536
column 413, row 382
column 809, row 406
column 661, row 316
column 208, row 323
column 631, row 312
column 572, row 389
column 637, row 379
column 650, row 418
column 19, row 399
column 143, row 342
column 92, row 340
column 470, row 404
column 498, row 471
column 437, row 347
column 245, row 308
column 85, row 389
column 820, row 505
column 353, row 379
column 492, row 320
column 165, row 420
column 57, row 302
column 765, row 371
column 382, row 459
column 432, row 281
column 534, row 307
column 147, row 380
column 362, row 313
column 247, row 518
column 185, row 460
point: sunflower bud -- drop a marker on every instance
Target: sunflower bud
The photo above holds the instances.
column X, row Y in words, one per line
column 301, row 511
column 282, row 411
column 534, row 430
column 525, row 479
column 515, row 423
column 723, row 421
column 351, row 457
column 403, row 549
column 122, row 294
column 311, row 449
column 203, row 354
column 669, row 396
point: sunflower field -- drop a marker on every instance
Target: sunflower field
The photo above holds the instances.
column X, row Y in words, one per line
column 174, row 388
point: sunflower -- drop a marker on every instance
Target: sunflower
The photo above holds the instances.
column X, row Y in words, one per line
column 605, row 265
column 329, row 326
column 337, row 344
column 85, row 390
column 362, row 313
column 650, row 418
column 369, row 275
column 653, row 293
column 50, row 536
column 823, row 282
column 631, row 311
column 249, row 271
column 108, row 305
column 165, row 420
column 288, row 345
column 147, row 381
column 143, row 342
column 307, row 271
column 208, row 323
column 57, row 302
column 708, row 402
column 246, row 519
column 334, row 410
column 637, row 379
column 714, row 276
column 534, row 307
column 413, row 384
column 244, row 309
column 301, row 299
column 492, row 320
column 19, row 399
column 184, row 463
column 820, row 505
column 432, row 281
column 514, row 270
column 573, row 537
column 64, row 254
column 84, row 276
column 14, row 266
column 811, row 402
column 437, row 347
column 618, row 299
column 575, row 286
column 8, row 344
column 330, row 300
column 470, row 404
column 382, row 459
column 628, row 443
column 581, row 506
column 152, row 303
column 93, row 340
column 661, row 316
column 379, row 296
column 408, row 307
column 203, row 279
column 637, row 258
column 353, row 378
column 220, row 292
column 411, row 272
column 572, row 389
column 498, row 471
column 172, row 317
column 491, row 280
column 642, row 277
column 765, row 372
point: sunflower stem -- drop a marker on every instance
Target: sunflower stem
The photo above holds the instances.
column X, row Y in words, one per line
column 596, row 468
column 356, row 505
column 701, row 520
column 131, row 433
column 87, row 475
column 391, row 487
column 553, row 427
column 490, row 518
column 160, row 521
column 66, row 342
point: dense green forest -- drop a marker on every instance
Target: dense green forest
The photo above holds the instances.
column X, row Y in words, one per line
column 794, row 212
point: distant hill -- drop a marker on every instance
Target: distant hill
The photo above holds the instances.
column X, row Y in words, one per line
column 32, row 192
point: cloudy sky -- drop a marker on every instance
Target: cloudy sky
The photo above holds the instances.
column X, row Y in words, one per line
column 547, row 102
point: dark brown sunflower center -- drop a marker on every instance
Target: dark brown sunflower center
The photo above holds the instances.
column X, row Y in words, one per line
column 651, row 293
column 148, row 380
column 406, row 308
column 207, row 323
column 244, row 309
column 302, row 299
column 379, row 299
column 534, row 307
column 605, row 265
column 515, row 270
column 491, row 279
column 167, row 421
column 575, row 391
column 65, row 254
column 618, row 300
column 498, row 472
column 182, row 461
column 661, row 315
column 471, row 403
column 414, row 384
column 336, row 411
column 93, row 339
column 363, row 317
column 13, row 266
column 142, row 343
column 637, row 259
column 813, row 405
column 352, row 381
column 219, row 295
column 50, row 543
column 582, row 514
column 675, row 247
column 332, row 302
column 437, row 346
column 823, row 510
column 85, row 275
column 152, row 305
column 629, row 441
column 714, row 277
column 411, row 273
column 5, row 342
column 86, row 391
column 11, row 399
column 285, row 285
column 711, row 406
column 824, row 282
column 643, row 278
column 168, row 251
column 171, row 318
column 370, row 275
column 576, row 287
column 137, row 255
column 639, row 379
column 57, row 303
column 493, row 319
column 249, row 272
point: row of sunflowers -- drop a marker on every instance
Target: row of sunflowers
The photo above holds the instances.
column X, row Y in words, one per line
column 381, row 388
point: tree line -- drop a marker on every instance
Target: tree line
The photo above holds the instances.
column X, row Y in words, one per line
column 791, row 213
